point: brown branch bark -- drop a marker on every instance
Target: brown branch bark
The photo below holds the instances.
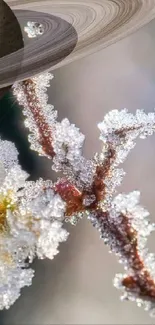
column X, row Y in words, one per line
column 123, row 239
column 45, row 134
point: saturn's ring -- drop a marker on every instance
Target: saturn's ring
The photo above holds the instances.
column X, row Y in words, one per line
column 47, row 50
column 97, row 24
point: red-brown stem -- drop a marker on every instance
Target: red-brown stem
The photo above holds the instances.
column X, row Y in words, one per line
column 45, row 134
column 102, row 171
column 71, row 195
column 75, row 198
column 125, row 238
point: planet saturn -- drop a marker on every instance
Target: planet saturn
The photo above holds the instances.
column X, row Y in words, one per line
column 68, row 30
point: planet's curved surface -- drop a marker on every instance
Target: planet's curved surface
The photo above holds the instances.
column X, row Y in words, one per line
column 98, row 23
column 11, row 39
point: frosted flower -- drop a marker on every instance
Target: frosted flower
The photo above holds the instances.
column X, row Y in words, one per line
column 46, row 210
column 12, row 276
column 31, row 216
column 39, row 199
column 13, row 179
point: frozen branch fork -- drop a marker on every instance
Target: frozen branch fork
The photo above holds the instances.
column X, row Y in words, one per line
column 32, row 214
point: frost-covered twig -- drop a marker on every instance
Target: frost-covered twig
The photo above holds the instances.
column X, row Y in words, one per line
column 125, row 227
column 88, row 186
column 40, row 117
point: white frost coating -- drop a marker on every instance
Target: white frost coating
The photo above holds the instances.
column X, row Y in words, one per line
column 31, row 216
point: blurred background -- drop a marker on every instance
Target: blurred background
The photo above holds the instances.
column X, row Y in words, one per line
column 76, row 287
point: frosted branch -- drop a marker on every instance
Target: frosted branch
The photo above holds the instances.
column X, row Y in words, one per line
column 124, row 228
column 88, row 186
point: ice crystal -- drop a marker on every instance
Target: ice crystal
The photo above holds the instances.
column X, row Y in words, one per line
column 33, row 29
column 51, row 235
column 67, row 144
